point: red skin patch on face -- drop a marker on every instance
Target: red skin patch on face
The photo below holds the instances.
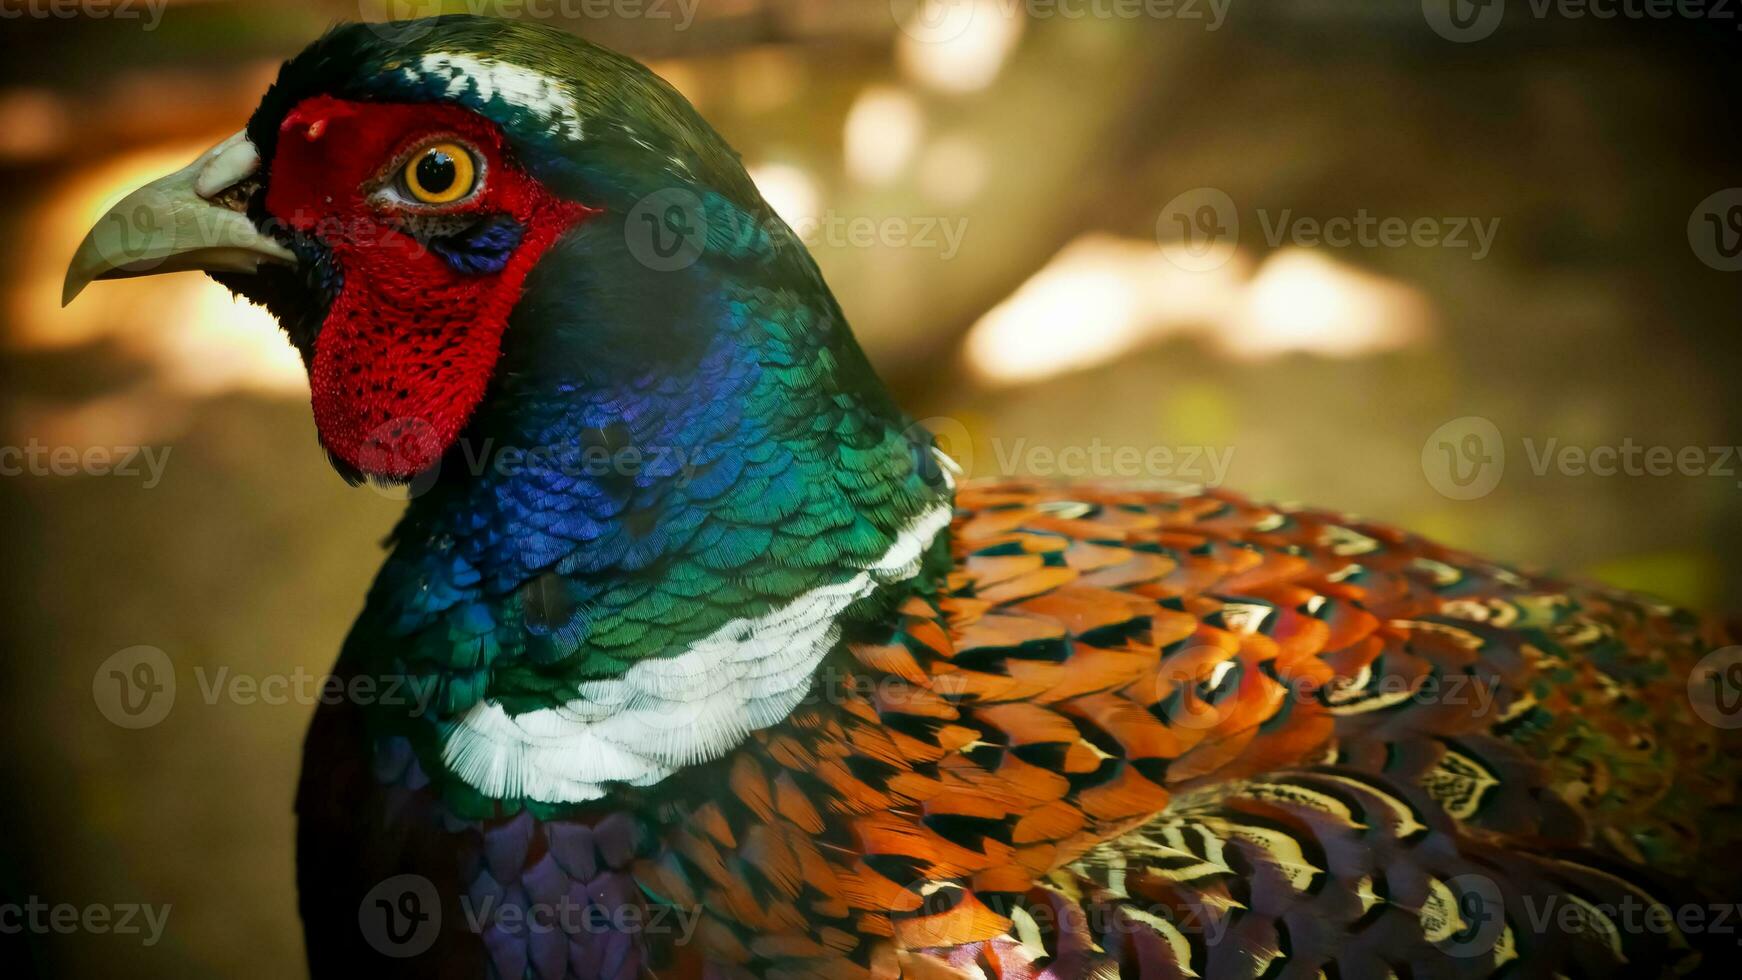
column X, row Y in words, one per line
column 410, row 344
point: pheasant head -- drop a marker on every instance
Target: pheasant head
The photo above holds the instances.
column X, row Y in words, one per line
column 525, row 276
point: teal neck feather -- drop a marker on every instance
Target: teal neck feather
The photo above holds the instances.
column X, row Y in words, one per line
column 647, row 476
column 685, row 484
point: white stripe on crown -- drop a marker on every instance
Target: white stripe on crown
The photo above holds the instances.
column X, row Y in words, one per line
column 664, row 714
column 548, row 98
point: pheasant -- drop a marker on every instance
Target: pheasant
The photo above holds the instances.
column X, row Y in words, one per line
column 692, row 656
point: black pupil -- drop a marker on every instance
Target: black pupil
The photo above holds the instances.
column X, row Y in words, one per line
column 436, row 172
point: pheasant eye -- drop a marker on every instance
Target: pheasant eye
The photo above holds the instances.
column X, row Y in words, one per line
column 439, row 174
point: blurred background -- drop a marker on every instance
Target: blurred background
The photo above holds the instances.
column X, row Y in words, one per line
column 1412, row 260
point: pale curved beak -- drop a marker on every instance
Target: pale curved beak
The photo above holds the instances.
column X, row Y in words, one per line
column 181, row 221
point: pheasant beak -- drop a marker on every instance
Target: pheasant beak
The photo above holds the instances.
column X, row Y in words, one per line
column 190, row 219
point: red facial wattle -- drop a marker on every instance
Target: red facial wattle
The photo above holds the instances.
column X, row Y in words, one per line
column 410, row 342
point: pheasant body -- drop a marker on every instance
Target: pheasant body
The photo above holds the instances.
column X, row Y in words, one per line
column 1137, row 733
column 690, row 658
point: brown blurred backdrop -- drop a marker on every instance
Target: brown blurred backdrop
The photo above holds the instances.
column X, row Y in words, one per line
column 1001, row 194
